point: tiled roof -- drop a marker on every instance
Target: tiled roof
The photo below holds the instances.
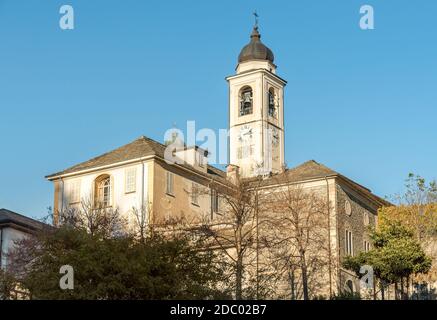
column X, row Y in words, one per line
column 141, row 147
column 138, row 148
column 7, row 216
column 307, row 171
column 312, row 170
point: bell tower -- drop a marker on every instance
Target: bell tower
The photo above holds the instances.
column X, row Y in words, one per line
column 256, row 111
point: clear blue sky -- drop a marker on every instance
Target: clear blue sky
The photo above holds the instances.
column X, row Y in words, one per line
column 362, row 102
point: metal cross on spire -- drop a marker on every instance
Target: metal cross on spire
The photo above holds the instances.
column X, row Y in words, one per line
column 256, row 19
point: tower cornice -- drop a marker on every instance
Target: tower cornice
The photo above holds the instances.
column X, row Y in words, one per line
column 255, row 71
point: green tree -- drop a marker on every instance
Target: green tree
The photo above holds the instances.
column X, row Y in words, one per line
column 116, row 268
column 395, row 257
column 416, row 209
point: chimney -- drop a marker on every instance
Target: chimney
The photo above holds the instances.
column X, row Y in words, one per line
column 233, row 173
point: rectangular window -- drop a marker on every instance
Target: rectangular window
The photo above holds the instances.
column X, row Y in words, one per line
column 199, row 159
column 245, row 151
column 169, row 183
column 194, row 194
column 214, row 203
column 366, row 246
column 130, row 180
column 349, row 245
column 75, row 191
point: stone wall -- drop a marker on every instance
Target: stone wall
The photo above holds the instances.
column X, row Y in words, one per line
column 358, row 215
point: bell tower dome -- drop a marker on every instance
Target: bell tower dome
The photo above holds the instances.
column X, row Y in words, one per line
column 255, row 50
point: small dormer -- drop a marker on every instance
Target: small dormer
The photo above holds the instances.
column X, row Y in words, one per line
column 194, row 156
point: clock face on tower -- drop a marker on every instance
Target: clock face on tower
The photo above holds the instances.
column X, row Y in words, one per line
column 275, row 137
column 245, row 134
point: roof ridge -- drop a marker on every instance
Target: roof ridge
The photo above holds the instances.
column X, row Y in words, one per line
column 153, row 141
column 339, row 174
column 148, row 141
column 324, row 166
column 13, row 212
column 313, row 162
column 20, row 215
column 110, row 151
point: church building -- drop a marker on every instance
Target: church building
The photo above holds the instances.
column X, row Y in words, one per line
column 137, row 175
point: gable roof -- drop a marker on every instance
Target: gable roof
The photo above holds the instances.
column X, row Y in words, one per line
column 144, row 146
column 307, row 171
column 312, row 170
column 8, row 217
column 139, row 148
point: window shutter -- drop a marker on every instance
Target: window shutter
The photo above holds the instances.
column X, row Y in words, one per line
column 130, row 180
column 169, row 183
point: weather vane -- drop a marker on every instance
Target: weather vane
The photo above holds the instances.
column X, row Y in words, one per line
column 256, row 19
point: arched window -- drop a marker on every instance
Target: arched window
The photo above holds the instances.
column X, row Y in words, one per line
column 246, row 101
column 102, row 193
column 350, row 286
column 272, row 107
